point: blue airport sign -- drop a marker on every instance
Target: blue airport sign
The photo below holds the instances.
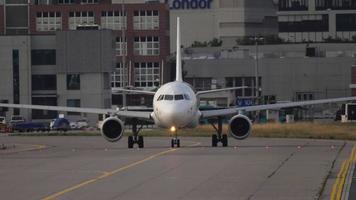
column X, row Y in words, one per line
column 189, row 4
column 244, row 102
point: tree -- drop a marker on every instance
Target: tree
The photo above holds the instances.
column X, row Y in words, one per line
column 199, row 44
column 215, row 42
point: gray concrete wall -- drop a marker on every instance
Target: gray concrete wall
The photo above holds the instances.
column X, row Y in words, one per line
column 85, row 51
column 8, row 44
column 92, row 94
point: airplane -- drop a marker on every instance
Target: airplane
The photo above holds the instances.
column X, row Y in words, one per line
column 176, row 106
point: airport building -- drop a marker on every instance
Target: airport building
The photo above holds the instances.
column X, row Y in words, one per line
column 288, row 72
column 293, row 20
column 317, row 20
column 71, row 52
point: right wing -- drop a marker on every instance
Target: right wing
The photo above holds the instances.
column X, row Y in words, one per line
column 145, row 115
column 133, row 91
column 233, row 111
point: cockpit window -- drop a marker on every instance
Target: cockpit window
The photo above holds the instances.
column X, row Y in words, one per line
column 186, row 97
column 178, row 97
column 168, row 97
column 160, row 97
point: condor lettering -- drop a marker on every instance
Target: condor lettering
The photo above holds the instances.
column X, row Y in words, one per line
column 189, row 4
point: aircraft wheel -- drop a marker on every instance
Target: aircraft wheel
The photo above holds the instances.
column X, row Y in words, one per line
column 214, row 140
column 172, row 143
column 130, row 142
column 224, row 140
column 140, row 141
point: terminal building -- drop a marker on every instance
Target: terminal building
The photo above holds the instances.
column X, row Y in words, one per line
column 71, row 52
column 296, row 21
column 288, row 72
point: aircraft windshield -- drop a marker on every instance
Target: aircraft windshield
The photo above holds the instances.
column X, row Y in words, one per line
column 168, row 97
column 177, row 97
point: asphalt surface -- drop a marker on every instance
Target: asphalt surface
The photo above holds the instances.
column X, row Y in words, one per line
column 91, row 168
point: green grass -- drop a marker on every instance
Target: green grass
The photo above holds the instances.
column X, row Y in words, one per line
column 340, row 131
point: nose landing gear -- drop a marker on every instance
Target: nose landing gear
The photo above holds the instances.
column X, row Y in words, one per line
column 175, row 141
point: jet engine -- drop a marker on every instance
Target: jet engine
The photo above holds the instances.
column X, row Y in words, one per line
column 112, row 129
column 240, row 127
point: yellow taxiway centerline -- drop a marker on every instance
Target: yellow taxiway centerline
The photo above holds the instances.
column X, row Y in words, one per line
column 106, row 174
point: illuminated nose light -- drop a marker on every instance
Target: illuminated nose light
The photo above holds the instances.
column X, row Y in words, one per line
column 173, row 129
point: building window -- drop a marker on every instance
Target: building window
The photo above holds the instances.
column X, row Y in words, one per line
column 89, row 1
column 335, row 4
column 73, row 81
column 146, row 20
column 121, row 46
column 44, row 82
column 119, row 77
column 43, row 57
column 44, row 114
column 146, row 46
column 115, row 20
column 16, row 79
column 304, row 96
column 285, row 5
column 249, row 82
column 200, row 83
column 80, row 18
column 73, row 103
column 303, row 23
column 345, row 22
column 65, row 1
column 147, row 74
column 48, row 21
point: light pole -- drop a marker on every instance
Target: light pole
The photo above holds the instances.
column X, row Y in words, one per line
column 257, row 88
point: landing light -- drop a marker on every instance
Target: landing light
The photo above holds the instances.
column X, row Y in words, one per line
column 173, row 129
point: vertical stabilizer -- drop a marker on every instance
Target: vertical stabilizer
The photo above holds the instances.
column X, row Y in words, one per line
column 179, row 56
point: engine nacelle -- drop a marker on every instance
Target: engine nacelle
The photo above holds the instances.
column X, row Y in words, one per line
column 240, row 127
column 112, row 129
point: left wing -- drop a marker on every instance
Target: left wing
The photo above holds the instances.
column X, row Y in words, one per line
column 219, row 90
column 232, row 111
column 124, row 113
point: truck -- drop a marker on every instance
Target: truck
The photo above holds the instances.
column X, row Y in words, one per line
column 29, row 127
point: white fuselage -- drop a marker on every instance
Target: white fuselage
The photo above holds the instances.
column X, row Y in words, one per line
column 175, row 105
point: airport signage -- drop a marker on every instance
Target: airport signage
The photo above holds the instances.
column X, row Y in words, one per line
column 244, row 102
column 189, row 4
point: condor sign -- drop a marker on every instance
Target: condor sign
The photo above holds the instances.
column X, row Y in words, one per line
column 189, row 4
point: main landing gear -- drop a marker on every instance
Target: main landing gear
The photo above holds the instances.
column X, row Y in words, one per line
column 175, row 142
column 219, row 137
column 135, row 138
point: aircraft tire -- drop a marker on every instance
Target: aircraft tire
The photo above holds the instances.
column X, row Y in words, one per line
column 140, row 141
column 224, row 140
column 214, row 140
column 130, row 142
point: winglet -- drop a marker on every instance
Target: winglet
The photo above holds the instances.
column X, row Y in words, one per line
column 179, row 56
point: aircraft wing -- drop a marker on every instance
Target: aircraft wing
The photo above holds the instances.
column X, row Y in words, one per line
column 133, row 91
column 219, row 90
column 232, row 111
column 145, row 115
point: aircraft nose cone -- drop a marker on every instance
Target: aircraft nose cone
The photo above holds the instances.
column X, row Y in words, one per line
column 174, row 116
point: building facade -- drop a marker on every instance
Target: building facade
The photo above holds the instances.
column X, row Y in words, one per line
column 79, row 43
column 317, row 20
column 285, row 73
column 226, row 20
